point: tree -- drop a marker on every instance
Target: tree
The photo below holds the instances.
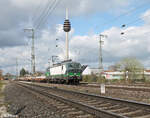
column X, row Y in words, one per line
column 131, row 65
column 22, row 72
column 114, row 67
column 1, row 74
column 8, row 76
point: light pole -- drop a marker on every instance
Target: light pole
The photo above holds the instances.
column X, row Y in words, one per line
column 32, row 52
column 100, row 52
column 49, row 62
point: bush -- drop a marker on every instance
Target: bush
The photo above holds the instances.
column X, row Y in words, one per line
column 1, row 84
column 90, row 78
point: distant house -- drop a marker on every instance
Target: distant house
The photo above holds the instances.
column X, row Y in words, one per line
column 147, row 74
column 112, row 74
column 120, row 74
column 107, row 74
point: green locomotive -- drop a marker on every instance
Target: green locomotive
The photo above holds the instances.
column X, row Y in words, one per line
column 66, row 72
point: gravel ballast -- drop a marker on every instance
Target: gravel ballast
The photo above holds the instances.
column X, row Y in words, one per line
column 27, row 105
column 140, row 96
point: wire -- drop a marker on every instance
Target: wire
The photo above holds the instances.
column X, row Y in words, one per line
column 35, row 12
column 45, row 14
column 137, row 20
column 46, row 21
column 49, row 12
column 124, row 14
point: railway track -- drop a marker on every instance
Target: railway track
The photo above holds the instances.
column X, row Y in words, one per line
column 130, row 88
column 94, row 105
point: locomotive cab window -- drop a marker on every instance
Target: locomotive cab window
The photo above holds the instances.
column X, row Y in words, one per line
column 74, row 65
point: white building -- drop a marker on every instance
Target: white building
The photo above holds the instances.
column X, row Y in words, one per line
column 89, row 71
column 111, row 74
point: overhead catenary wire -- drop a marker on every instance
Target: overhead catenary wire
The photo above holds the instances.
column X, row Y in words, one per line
column 134, row 22
column 50, row 12
column 37, row 10
column 124, row 14
column 43, row 11
column 45, row 14
column 137, row 20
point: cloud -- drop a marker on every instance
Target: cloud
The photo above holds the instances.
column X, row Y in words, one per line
column 86, row 7
column 84, row 49
column 146, row 17
column 17, row 14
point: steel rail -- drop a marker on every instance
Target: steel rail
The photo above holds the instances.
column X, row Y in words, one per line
column 130, row 102
column 86, row 108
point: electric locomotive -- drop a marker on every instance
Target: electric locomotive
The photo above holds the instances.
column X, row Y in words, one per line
column 66, row 72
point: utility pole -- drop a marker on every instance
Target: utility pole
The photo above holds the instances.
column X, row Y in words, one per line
column 49, row 62
column 100, row 52
column 16, row 68
column 67, row 28
column 32, row 51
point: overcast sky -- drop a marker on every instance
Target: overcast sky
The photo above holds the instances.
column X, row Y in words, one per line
column 88, row 19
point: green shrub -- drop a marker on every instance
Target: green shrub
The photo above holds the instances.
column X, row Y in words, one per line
column 1, row 84
column 90, row 78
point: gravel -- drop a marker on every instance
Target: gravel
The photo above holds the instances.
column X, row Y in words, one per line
column 27, row 105
column 140, row 96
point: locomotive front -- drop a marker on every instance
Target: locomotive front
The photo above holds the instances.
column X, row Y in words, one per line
column 73, row 72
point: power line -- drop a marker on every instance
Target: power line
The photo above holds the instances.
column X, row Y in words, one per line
column 134, row 22
column 45, row 13
column 50, row 12
column 137, row 20
column 38, row 8
column 124, row 14
column 41, row 14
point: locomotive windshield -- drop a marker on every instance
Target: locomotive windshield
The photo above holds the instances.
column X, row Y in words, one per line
column 74, row 65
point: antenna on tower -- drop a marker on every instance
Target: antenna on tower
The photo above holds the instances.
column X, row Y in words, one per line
column 67, row 13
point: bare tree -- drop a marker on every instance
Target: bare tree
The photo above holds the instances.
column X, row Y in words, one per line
column 132, row 66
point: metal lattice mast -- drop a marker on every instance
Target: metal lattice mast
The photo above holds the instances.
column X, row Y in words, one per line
column 100, row 52
column 16, row 68
column 32, row 51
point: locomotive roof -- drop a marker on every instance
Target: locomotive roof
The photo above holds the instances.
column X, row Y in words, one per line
column 63, row 62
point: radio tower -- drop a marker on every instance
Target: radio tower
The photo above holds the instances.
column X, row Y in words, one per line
column 67, row 28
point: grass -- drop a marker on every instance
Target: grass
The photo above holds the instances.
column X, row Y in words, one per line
column 1, row 85
column 95, row 79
